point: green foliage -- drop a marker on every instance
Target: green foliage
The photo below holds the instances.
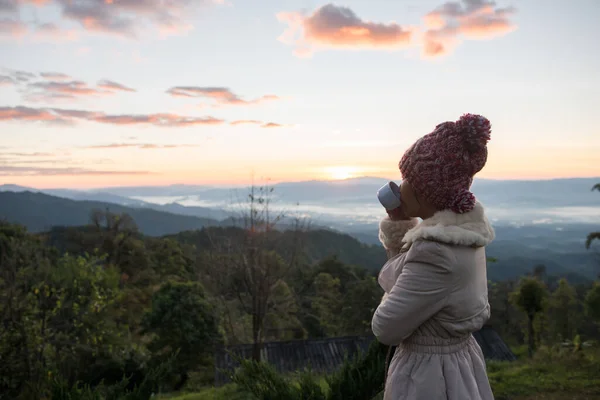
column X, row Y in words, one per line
column 530, row 296
column 183, row 321
column 264, row 382
column 592, row 302
column 594, row 235
column 97, row 312
column 227, row 392
column 590, row 238
column 60, row 389
column 336, row 299
column 359, row 378
column 552, row 372
column 563, row 312
column 327, row 304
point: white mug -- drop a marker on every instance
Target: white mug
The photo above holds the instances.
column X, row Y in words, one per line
column 389, row 196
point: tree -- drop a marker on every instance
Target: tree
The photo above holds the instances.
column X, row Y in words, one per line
column 593, row 235
column 327, row 304
column 249, row 268
column 115, row 230
column 505, row 315
column 592, row 302
column 182, row 320
column 360, row 301
column 530, row 297
column 562, row 311
column 57, row 314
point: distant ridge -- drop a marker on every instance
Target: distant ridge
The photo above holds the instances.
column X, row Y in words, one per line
column 39, row 212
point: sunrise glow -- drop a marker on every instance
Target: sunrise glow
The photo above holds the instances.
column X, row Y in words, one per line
column 334, row 92
column 341, row 172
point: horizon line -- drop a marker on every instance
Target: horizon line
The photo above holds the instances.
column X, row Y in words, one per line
column 274, row 183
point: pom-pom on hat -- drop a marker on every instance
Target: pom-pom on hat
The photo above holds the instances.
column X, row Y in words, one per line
column 440, row 166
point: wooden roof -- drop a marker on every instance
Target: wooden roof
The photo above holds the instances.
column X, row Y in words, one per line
column 326, row 355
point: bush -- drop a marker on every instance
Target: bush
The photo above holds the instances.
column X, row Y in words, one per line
column 360, row 378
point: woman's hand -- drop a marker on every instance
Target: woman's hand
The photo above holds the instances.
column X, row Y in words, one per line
column 397, row 214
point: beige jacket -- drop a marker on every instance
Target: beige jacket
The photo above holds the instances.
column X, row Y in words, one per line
column 436, row 296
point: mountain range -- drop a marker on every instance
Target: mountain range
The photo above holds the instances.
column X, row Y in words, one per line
column 536, row 222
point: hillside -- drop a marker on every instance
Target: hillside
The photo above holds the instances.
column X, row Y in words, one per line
column 517, row 249
column 40, row 212
column 317, row 244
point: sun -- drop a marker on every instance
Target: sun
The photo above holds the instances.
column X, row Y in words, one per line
column 341, row 172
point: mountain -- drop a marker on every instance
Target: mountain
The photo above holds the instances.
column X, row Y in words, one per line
column 108, row 197
column 39, row 212
column 518, row 249
column 516, row 193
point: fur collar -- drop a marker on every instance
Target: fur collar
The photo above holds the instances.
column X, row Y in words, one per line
column 468, row 229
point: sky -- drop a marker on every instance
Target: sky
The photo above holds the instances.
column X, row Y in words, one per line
column 97, row 93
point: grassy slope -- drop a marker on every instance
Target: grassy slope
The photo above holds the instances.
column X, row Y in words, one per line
column 548, row 376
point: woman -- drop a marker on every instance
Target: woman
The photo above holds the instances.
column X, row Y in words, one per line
column 435, row 281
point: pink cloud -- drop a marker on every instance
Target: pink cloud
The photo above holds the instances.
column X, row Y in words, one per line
column 332, row 26
column 68, row 116
column 21, row 113
column 7, row 81
column 57, row 86
column 12, row 28
column 125, row 18
column 52, row 32
column 48, row 91
column 143, row 146
column 13, row 170
column 55, row 76
column 220, row 95
column 111, row 85
column 337, row 27
column 471, row 19
column 246, row 122
column 257, row 122
column 272, row 125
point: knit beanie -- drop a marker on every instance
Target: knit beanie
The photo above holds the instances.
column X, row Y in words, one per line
column 440, row 166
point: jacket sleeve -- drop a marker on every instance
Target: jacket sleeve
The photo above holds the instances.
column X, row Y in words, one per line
column 420, row 291
column 391, row 234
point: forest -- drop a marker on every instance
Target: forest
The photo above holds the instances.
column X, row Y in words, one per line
column 103, row 311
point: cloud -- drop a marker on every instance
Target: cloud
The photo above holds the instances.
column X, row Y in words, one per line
column 246, row 122
column 52, row 32
column 12, row 28
column 257, row 122
column 57, row 86
column 125, row 18
column 69, row 117
column 220, row 95
column 12, row 170
column 143, row 146
column 19, row 76
column 337, row 27
column 55, row 76
column 472, row 19
column 6, row 80
column 272, row 125
column 37, row 154
column 53, row 90
column 111, row 85
column 332, row 26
